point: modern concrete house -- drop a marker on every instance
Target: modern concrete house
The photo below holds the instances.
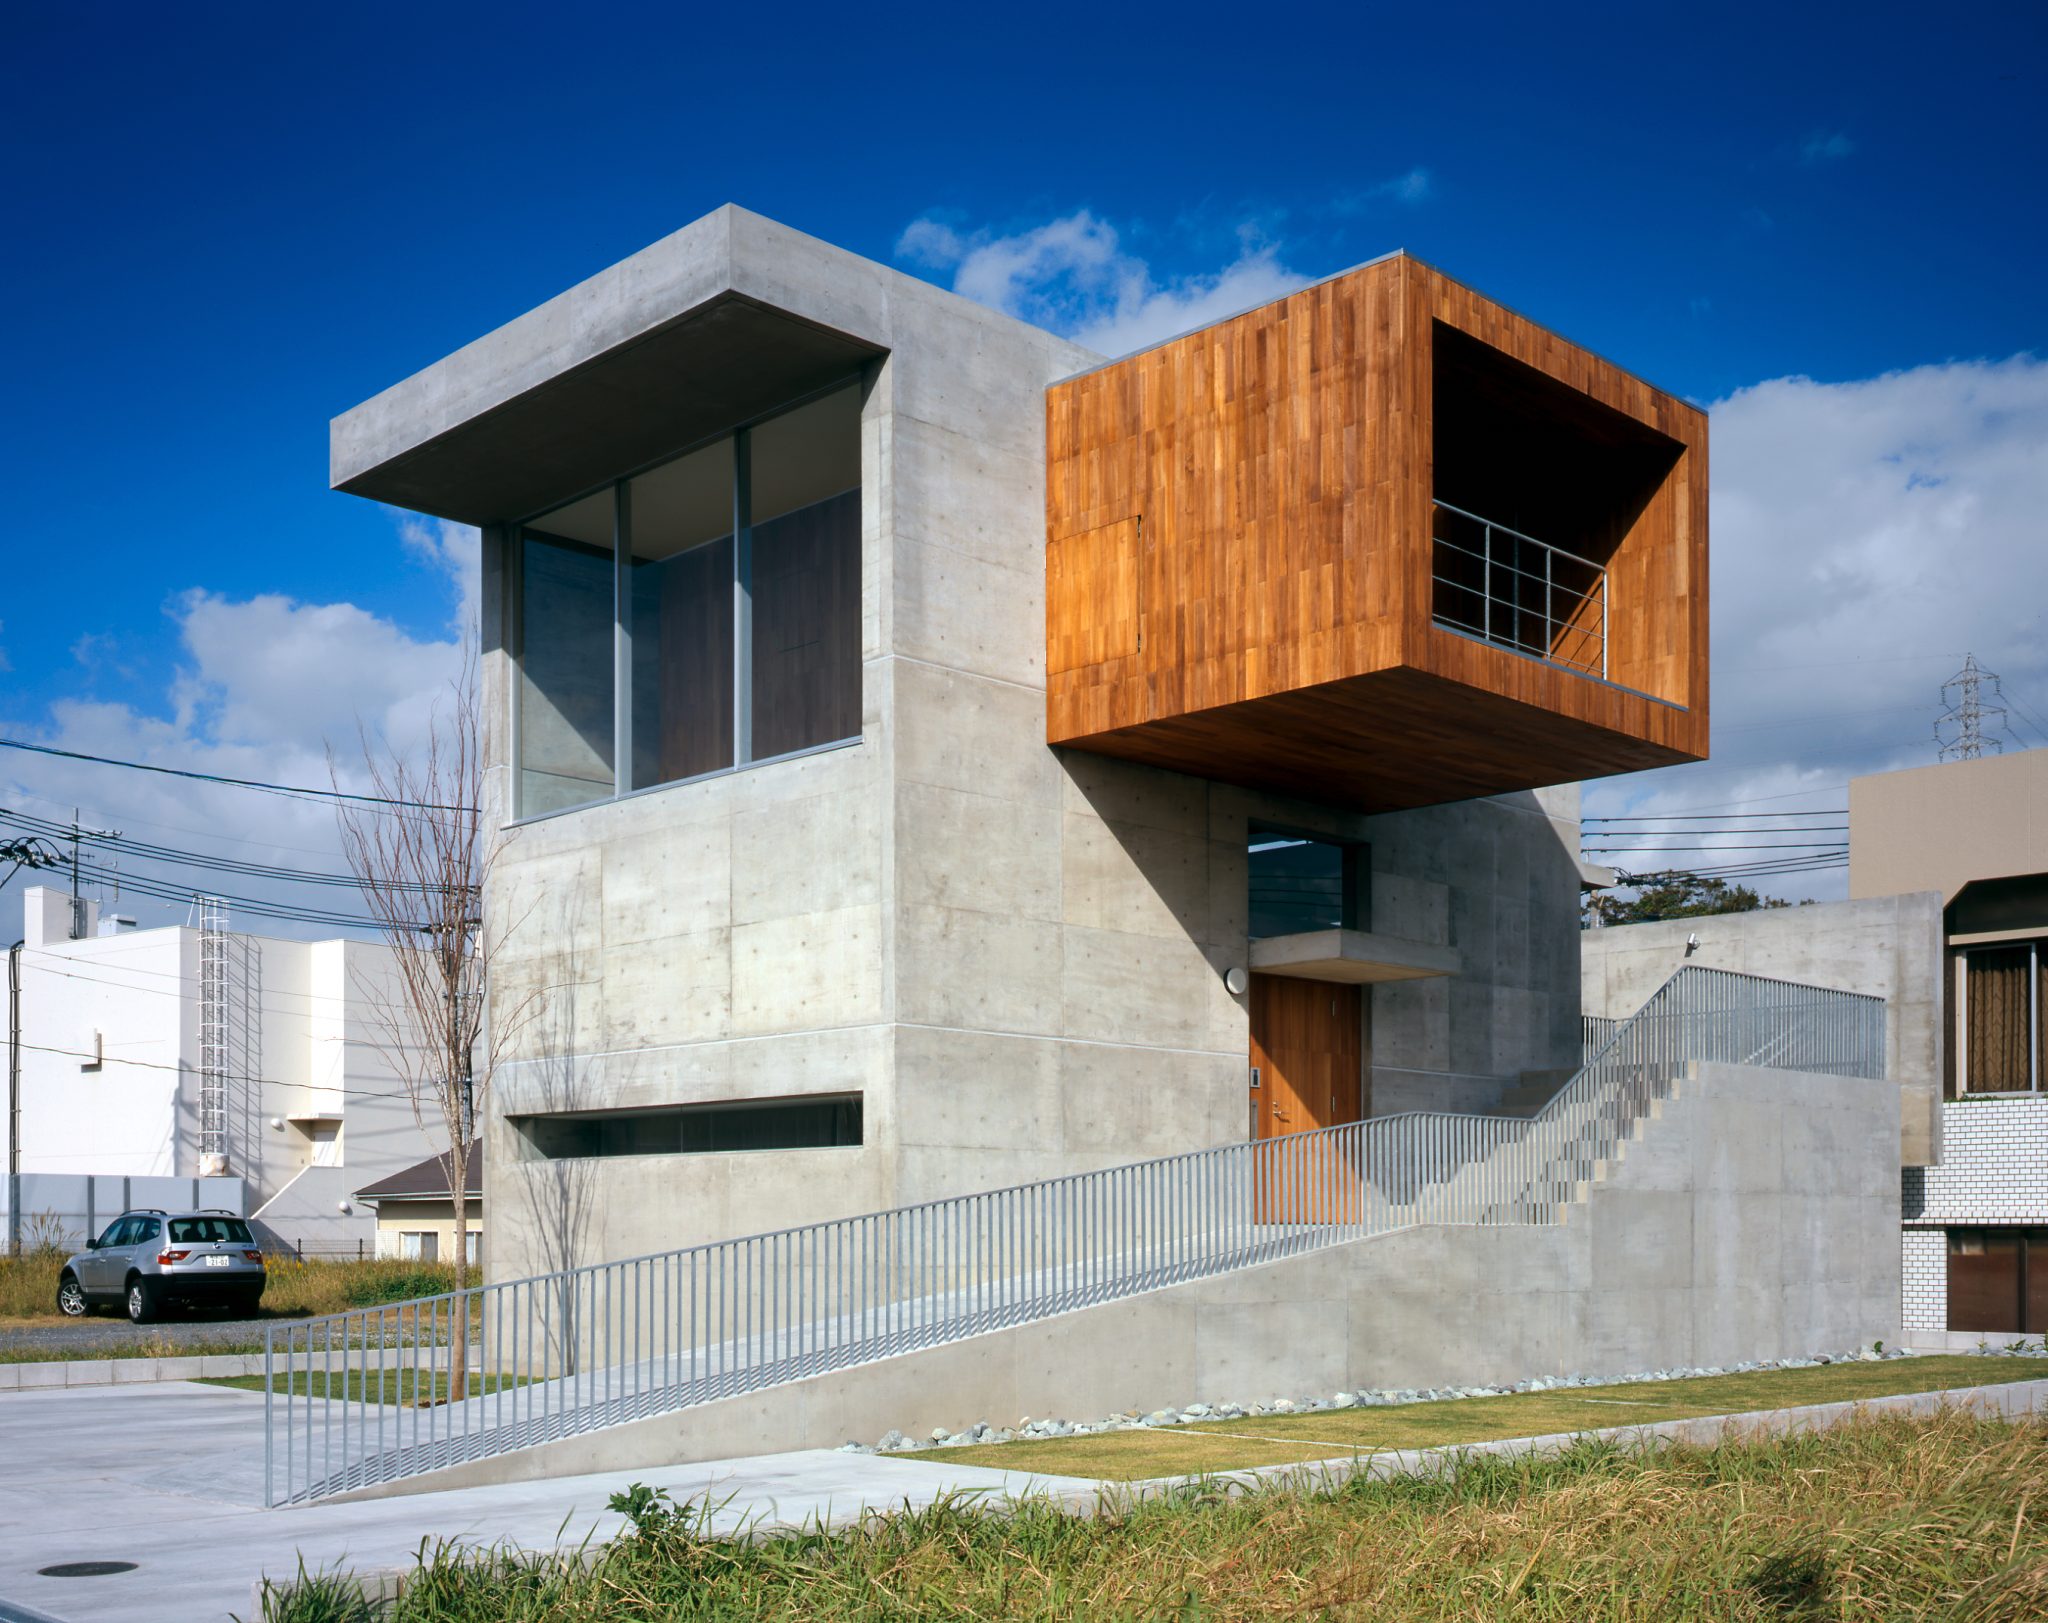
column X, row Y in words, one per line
column 937, row 759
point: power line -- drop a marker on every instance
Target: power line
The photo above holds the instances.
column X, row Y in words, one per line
column 235, row 783
column 1695, row 817
column 198, row 859
column 1761, row 845
column 192, row 1070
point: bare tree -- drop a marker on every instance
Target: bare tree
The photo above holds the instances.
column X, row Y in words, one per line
column 422, row 854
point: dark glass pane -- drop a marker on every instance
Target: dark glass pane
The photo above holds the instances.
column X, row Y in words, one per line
column 566, row 657
column 1295, row 885
column 804, row 475
column 680, row 600
column 778, row 1124
column 1984, row 1279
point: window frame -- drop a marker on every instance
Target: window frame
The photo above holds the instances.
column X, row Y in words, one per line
column 1354, row 882
column 1960, row 1035
column 511, row 549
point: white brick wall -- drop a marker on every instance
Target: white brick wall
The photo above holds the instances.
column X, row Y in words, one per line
column 1994, row 1164
column 1994, row 1170
column 1926, row 1280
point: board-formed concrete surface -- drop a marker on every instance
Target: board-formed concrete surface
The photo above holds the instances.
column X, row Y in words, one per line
column 159, row 1463
column 1885, row 946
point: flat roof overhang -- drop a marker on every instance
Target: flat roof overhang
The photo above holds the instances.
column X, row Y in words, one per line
column 725, row 362
column 714, row 326
column 1356, row 957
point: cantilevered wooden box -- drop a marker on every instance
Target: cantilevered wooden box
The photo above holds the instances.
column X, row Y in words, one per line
column 1382, row 543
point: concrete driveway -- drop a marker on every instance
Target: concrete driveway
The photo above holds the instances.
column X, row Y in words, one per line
column 170, row 1477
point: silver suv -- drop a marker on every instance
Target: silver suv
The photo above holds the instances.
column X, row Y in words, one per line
column 149, row 1260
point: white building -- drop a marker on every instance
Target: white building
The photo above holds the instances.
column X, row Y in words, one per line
column 305, row 1107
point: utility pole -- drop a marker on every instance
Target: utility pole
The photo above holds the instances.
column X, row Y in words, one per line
column 77, row 896
column 1959, row 733
column 30, row 853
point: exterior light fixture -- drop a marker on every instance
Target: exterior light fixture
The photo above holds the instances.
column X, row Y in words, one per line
column 1236, row 982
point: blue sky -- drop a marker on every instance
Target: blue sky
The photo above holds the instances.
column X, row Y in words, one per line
column 231, row 222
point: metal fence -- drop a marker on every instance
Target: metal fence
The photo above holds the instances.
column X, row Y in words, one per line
column 1508, row 588
column 373, row 1395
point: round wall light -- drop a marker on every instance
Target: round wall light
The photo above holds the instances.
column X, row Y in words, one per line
column 1236, row 982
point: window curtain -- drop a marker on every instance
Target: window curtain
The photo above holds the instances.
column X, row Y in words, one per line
column 2000, row 1035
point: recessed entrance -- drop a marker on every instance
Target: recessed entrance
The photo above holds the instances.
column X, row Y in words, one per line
column 1307, row 1065
column 1307, row 1055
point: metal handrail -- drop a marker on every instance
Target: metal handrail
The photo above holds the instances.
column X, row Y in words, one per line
column 1510, row 635
column 580, row 1349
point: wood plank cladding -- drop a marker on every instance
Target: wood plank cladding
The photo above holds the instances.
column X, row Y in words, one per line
column 1091, row 593
column 1239, row 540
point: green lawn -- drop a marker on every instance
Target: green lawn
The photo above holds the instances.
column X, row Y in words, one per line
column 410, row 1387
column 1236, row 1445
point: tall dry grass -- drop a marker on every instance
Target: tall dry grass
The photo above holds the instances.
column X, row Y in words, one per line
column 1888, row 1518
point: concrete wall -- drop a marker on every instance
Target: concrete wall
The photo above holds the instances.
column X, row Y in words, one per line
column 1887, row 946
column 1939, row 827
column 1499, row 881
column 1016, row 956
column 308, row 1033
column 1753, row 1219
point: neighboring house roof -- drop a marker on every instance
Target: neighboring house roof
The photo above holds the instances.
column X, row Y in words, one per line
column 428, row 1179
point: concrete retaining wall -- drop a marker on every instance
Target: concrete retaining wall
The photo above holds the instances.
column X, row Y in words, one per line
column 1756, row 1218
column 1887, row 946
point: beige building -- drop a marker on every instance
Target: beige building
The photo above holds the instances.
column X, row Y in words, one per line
column 416, row 1214
column 1975, row 833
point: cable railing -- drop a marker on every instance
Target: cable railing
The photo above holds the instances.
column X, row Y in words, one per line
column 1512, row 590
column 378, row 1394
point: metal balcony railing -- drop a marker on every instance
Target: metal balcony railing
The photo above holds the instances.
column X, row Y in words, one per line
column 1512, row 590
column 366, row 1396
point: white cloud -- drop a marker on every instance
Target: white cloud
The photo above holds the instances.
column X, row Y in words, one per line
column 266, row 685
column 1417, row 185
column 1865, row 536
column 1074, row 276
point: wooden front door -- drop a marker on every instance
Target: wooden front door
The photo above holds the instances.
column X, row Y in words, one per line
column 1307, row 1059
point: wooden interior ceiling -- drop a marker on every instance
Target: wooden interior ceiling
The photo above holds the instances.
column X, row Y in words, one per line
column 1239, row 544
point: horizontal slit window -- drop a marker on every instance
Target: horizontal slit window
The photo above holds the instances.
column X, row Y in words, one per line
column 818, row 1122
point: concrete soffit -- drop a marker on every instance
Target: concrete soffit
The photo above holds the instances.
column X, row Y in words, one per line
column 717, row 324
column 1356, row 957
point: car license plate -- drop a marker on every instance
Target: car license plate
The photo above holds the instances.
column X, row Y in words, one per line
column 218, row 1262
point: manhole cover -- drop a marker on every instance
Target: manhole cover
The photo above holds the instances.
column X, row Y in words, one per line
column 84, row 1569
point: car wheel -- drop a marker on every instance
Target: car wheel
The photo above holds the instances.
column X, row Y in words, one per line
column 71, row 1300
column 247, row 1307
column 142, row 1301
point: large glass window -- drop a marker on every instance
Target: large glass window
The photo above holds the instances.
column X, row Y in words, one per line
column 680, row 608
column 565, row 657
column 804, row 479
column 699, row 616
